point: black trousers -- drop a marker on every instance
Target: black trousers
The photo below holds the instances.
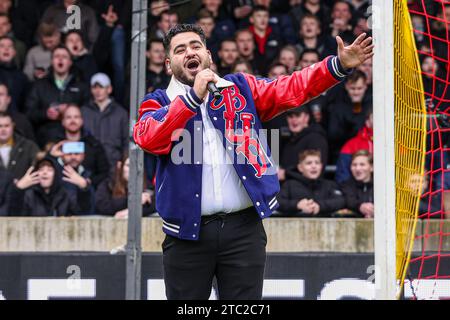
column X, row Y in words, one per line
column 231, row 247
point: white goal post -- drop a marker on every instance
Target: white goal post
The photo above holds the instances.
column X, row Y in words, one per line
column 384, row 156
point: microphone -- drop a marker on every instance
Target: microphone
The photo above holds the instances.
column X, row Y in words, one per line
column 213, row 90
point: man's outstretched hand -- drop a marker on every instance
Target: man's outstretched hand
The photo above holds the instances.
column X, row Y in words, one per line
column 355, row 54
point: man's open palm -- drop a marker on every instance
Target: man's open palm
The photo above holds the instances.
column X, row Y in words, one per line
column 355, row 54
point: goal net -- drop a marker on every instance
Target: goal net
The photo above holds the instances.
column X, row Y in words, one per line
column 429, row 264
column 410, row 134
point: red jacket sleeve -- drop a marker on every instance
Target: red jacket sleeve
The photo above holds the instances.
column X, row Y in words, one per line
column 157, row 125
column 287, row 92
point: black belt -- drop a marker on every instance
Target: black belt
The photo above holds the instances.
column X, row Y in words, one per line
column 223, row 215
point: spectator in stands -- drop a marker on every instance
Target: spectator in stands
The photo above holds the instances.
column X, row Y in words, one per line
column 315, row 7
column 25, row 16
column 240, row 10
column 38, row 59
column 102, row 114
column 6, row 183
column 431, row 205
column 228, row 54
column 341, row 18
column 242, row 65
column 358, row 189
column 112, row 194
column 166, row 20
column 6, row 31
column 361, row 25
column 303, row 135
column 11, row 75
column 310, row 37
column 57, row 14
column 246, row 49
column 433, row 89
column 277, row 69
column 83, row 61
column 366, row 67
column 21, row 124
column 361, row 6
column 305, row 193
column 221, row 27
column 267, row 40
column 76, row 178
column 205, row 20
column 95, row 157
column 289, row 57
column 110, row 46
column 308, row 57
column 17, row 153
column 277, row 127
column 40, row 193
column 347, row 115
column 49, row 96
column 362, row 141
column 157, row 75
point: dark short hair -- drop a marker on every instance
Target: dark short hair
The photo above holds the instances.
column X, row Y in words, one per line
column 204, row 13
column 152, row 41
column 78, row 32
column 277, row 64
column 181, row 28
column 309, row 50
column 310, row 152
column 311, row 16
column 63, row 48
column 356, row 75
column 226, row 40
column 4, row 114
column 259, row 7
column 9, row 38
column 167, row 12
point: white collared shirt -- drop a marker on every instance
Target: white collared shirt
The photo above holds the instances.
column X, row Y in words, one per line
column 222, row 190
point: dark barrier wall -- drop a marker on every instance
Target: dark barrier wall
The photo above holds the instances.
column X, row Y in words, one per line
column 102, row 276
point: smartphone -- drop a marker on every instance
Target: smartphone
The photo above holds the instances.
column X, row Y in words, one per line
column 73, row 147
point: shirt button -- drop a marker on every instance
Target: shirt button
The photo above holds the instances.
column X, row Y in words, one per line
column 244, row 177
column 197, row 195
column 262, row 213
column 195, row 224
column 215, row 118
column 198, row 128
column 230, row 148
column 193, row 236
column 257, row 203
column 198, row 162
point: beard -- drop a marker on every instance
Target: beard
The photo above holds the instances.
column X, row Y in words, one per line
column 185, row 76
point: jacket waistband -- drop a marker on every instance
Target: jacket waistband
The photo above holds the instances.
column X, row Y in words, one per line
column 224, row 215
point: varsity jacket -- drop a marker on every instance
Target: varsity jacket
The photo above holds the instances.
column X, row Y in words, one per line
column 170, row 117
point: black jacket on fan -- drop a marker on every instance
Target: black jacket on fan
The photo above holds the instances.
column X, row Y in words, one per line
column 95, row 159
column 325, row 192
column 34, row 201
column 44, row 92
column 6, row 183
column 313, row 137
column 357, row 193
column 108, row 205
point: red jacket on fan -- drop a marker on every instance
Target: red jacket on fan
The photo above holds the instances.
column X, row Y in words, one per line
column 362, row 141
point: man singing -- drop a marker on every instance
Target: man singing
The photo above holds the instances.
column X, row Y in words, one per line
column 213, row 199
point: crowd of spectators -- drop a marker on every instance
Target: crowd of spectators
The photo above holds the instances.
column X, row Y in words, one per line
column 64, row 100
